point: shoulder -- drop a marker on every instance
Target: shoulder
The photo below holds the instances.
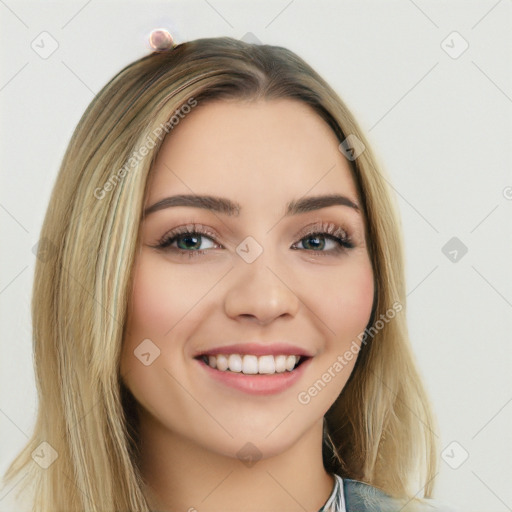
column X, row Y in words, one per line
column 362, row 497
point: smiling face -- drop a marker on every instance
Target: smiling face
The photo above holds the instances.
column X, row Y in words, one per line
column 255, row 275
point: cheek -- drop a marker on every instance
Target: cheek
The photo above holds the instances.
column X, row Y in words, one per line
column 344, row 304
column 165, row 303
column 161, row 306
column 344, row 300
column 354, row 302
column 163, row 294
column 152, row 312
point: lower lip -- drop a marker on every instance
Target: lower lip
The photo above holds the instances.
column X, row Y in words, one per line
column 257, row 384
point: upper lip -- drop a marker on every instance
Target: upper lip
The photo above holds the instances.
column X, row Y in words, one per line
column 257, row 349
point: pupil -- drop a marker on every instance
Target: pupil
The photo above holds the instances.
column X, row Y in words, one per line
column 315, row 238
column 188, row 237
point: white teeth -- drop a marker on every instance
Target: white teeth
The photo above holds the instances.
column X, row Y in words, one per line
column 281, row 363
column 250, row 364
column 290, row 362
column 235, row 363
column 222, row 363
column 266, row 364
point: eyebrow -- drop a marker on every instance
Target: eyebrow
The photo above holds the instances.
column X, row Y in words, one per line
column 231, row 208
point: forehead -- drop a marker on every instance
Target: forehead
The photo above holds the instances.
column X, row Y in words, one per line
column 261, row 152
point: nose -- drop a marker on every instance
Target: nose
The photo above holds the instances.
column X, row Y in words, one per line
column 260, row 292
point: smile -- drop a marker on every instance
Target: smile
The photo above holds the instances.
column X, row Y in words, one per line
column 251, row 364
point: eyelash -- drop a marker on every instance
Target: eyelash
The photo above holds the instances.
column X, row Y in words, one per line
column 324, row 230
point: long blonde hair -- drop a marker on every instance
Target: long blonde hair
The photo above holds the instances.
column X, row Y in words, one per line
column 381, row 426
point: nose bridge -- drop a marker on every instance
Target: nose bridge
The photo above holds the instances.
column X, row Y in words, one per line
column 259, row 284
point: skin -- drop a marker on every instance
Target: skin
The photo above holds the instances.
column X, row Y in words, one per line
column 261, row 154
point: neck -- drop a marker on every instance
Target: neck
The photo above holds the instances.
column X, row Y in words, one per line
column 181, row 475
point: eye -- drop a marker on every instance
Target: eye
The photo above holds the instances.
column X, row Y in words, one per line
column 189, row 240
column 319, row 233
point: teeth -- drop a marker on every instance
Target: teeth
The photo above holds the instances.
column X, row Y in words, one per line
column 235, row 363
column 267, row 364
column 251, row 365
column 222, row 362
column 281, row 363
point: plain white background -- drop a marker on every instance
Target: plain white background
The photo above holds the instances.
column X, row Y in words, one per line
column 439, row 117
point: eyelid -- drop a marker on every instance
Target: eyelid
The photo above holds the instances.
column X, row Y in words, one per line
column 190, row 227
column 335, row 229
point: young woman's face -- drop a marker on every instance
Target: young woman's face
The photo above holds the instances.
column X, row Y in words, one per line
column 260, row 277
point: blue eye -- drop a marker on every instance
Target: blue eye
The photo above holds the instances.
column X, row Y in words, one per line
column 188, row 240
column 192, row 235
column 320, row 238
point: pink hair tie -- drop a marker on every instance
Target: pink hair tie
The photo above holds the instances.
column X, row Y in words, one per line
column 161, row 40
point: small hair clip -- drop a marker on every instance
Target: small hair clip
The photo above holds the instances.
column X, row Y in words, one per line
column 161, row 40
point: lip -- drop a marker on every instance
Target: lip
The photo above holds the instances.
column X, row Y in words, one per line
column 263, row 384
column 257, row 349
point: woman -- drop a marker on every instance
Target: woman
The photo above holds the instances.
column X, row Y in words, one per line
column 219, row 320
